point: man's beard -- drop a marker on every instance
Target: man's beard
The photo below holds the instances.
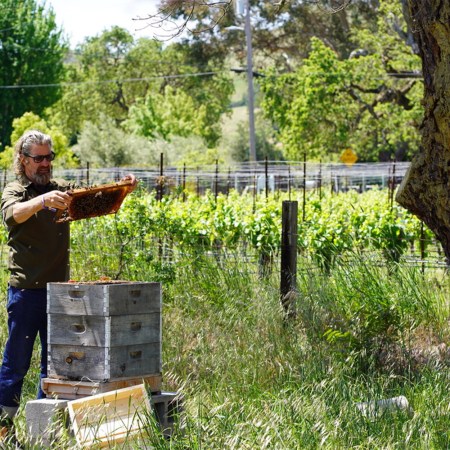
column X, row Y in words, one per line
column 42, row 178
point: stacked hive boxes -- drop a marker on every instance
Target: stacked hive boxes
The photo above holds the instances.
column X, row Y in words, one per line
column 103, row 330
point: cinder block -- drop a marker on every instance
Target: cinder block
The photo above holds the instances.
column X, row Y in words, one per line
column 167, row 406
column 43, row 418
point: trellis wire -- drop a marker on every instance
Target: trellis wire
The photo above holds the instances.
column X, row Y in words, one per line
column 246, row 177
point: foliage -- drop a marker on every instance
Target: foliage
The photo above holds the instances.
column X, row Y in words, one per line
column 31, row 53
column 336, row 227
column 280, row 30
column 309, row 106
column 150, row 90
column 191, row 107
column 172, row 113
column 265, row 137
column 65, row 158
column 183, row 150
column 330, row 104
column 107, row 145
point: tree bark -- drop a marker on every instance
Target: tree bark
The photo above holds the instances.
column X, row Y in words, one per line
column 425, row 190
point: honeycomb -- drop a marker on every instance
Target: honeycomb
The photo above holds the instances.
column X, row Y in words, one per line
column 94, row 201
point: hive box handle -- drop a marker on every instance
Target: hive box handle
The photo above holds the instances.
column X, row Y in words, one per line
column 78, row 356
column 77, row 328
column 135, row 326
column 136, row 354
column 75, row 295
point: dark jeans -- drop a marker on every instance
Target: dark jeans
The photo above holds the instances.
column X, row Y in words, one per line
column 27, row 317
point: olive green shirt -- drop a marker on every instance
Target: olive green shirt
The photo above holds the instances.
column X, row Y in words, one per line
column 38, row 247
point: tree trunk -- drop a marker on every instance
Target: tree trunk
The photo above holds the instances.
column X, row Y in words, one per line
column 425, row 190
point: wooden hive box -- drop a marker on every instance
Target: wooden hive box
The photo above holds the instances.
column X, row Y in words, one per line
column 103, row 330
column 103, row 298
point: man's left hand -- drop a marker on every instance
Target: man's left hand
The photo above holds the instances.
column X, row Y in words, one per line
column 131, row 178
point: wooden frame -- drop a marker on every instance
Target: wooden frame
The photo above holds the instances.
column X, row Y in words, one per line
column 72, row 389
column 107, row 419
column 94, row 201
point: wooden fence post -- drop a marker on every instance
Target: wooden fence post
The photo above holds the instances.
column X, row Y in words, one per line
column 288, row 279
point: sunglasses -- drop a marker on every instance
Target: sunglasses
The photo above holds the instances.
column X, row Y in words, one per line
column 39, row 158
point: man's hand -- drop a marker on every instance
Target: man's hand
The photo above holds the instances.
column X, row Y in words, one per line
column 130, row 177
column 54, row 200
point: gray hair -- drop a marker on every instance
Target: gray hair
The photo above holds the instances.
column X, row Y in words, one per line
column 24, row 144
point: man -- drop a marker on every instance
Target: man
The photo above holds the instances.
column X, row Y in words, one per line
column 39, row 254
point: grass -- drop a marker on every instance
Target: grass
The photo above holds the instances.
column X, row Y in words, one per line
column 253, row 380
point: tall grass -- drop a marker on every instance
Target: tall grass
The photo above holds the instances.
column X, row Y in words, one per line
column 251, row 379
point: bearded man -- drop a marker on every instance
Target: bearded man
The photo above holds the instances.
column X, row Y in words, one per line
column 38, row 254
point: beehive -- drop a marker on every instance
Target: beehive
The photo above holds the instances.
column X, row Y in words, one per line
column 103, row 330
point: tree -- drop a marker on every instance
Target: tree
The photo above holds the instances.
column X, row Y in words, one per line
column 31, row 54
column 281, row 29
column 106, row 145
column 425, row 190
column 328, row 104
column 64, row 156
column 341, row 88
column 151, row 89
column 95, row 86
column 267, row 145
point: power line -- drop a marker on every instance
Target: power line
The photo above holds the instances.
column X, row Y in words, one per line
column 175, row 76
column 125, row 80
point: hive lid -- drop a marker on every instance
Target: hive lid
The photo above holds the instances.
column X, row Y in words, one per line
column 94, row 201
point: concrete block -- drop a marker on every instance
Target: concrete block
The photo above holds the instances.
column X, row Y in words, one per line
column 42, row 417
column 167, row 406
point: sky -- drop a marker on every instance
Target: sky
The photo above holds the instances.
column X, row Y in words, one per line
column 87, row 18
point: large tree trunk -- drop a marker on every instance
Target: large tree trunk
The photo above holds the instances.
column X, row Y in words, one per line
column 425, row 190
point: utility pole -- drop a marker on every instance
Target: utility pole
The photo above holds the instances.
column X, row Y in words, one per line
column 251, row 94
column 243, row 7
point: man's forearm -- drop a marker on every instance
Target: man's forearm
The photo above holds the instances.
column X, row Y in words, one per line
column 22, row 211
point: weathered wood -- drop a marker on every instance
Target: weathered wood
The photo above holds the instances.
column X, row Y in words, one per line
column 71, row 390
column 288, row 278
column 101, row 331
column 79, row 362
column 103, row 299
